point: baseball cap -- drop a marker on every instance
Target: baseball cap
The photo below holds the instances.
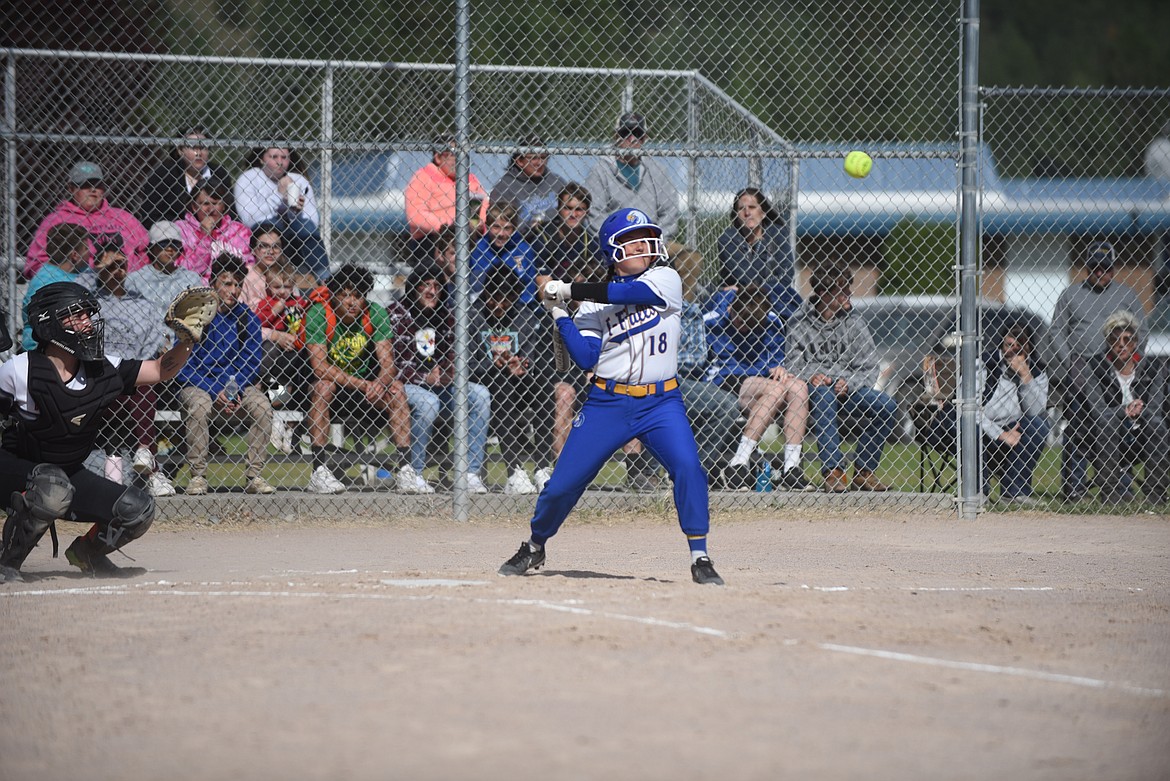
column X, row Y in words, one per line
column 631, row 124
column 1101, row 256
column 86, row 171
column 162, row 232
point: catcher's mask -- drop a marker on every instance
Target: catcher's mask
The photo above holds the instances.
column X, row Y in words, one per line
column 69, row 316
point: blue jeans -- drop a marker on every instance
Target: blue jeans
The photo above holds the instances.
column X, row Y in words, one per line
column 1015, row 465
column 304, row 240
column 425, row 406
column 878, row 411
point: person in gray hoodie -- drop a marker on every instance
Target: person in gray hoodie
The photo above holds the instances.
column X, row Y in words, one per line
column 833, row 350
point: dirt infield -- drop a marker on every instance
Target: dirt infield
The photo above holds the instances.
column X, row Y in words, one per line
column 891, row 647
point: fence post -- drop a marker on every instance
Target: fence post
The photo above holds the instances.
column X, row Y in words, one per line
column 462, row 500
column 326, row 199
column 970, row 489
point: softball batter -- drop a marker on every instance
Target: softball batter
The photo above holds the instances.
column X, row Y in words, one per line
column 627, row 333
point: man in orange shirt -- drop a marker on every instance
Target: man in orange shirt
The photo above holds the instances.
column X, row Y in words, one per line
column 430, row 194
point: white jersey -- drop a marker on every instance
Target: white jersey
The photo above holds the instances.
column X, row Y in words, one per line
column 639, row 343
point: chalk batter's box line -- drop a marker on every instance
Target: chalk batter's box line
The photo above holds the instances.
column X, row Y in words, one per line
column 574, row 607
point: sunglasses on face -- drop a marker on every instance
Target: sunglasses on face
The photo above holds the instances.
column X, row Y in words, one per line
column 166, row 245
column 626, row 133
column 92, row 184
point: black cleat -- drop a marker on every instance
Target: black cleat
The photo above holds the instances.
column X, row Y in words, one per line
column 10, row 574
column 524, row 560
column 793, row 479
column 82, row 555
column 738, row 477
column 703, row 571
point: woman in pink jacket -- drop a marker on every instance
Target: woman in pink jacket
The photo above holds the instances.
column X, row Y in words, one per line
column 87, row 206
column 209, row 231
column 430, row 193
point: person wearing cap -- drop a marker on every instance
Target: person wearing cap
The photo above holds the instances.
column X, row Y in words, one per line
column 529, row 184
column 632, row 180
column 272, row 192
column 430, row 193
column 1125, row 397
column 87, row 206
column 133, row 329
column 1080, row 313
column 171, row 185
column 163, row 278
column 69, row 250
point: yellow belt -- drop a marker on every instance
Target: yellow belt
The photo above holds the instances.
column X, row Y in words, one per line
column 637, row 391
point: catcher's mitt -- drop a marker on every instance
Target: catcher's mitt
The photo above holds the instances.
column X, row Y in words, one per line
column 190, row 313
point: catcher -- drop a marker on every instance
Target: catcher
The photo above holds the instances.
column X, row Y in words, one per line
column 54, row 399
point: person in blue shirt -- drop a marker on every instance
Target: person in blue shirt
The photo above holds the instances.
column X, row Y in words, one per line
column 69, row 253
column 502, row 245
column 221, row 377
column 746, row 331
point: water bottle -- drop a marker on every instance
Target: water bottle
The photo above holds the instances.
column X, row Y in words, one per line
column 764, row 478
column 231, row 391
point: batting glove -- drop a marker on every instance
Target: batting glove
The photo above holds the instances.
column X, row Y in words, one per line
column 558, row 292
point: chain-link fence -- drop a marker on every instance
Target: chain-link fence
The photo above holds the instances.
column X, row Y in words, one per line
column 308, row 151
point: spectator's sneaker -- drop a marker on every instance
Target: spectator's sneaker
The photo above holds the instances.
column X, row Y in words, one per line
column 542, row 476
column 703, row 571
column 144, row 463
column 281, row 437
column 323, row 481
column 475, row 484
column 837, row 481
column 197, row 486
column 738, row 477
column 524, row 560
column 519, row 484
column 81, row 554
column 258, row 485
column 642, row 482
column 793, row 479
column 159, row 485
column 411, row 482
column 866, row 480
column 1022, row 502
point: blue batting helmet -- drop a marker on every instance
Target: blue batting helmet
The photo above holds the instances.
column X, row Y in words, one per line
column 623, row 222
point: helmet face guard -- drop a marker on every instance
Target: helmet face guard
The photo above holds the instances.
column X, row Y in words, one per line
column 68, row 316
column 619, row 225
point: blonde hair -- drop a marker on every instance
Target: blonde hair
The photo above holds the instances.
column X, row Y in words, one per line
column 1121, row 320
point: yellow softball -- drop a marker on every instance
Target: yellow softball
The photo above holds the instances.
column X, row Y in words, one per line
column 858, row 164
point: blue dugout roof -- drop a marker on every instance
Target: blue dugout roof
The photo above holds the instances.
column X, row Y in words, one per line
column 368, row 191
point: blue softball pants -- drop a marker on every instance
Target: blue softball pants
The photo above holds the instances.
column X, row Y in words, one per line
column 606, row 422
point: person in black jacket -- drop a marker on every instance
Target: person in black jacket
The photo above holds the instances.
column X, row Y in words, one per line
column 169, row 188
column 1125, row 395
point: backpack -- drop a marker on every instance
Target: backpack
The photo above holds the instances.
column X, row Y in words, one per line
column 320, row 295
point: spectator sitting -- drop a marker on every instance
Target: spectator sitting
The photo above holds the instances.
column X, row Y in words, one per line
column 712, row 411
column 563, row 245
column 833, row 350
column 424, row 351
column 502, row 246
column 430, row 193
column 755, row 248
column 529, row 185
column 1077, row 320
column 510, row 352
column 133, row 329
column 163, row 278
column 221, row 376
column 209, row 231
column 747, row 339
column 68, row 251
column 635, row 181
column 272, row 192
column 350, row 345
column 267, row 249
column 171, row 186
column 282, row 322
column 87, row 206
column 1126, row 397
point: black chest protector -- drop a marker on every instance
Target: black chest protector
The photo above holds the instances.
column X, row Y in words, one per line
column 67, row 421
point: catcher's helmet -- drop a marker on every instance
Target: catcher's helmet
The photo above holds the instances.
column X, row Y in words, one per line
column 69, row 316
column 623, row 222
